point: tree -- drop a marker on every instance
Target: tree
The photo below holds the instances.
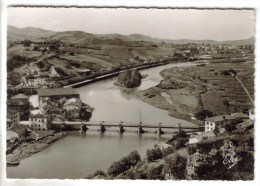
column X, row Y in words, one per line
column 167, row 151
column 124, row 164
column 155, row 173
column 154, row 154
column 229, row 127
column 176, row 166
column 202, row 114
column 216, row 131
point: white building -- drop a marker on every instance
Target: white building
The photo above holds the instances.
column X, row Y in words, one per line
column 216, row 121
column 37, row 81
column 39, row 122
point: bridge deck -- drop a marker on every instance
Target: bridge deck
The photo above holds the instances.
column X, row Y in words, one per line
column 130, row 125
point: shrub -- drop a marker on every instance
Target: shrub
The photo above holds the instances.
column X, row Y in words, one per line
column 167, row 151
column 176, row 166
column 154, row 154
column 155, row 173
column 124, row 164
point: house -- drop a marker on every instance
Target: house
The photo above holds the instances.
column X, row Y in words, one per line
column 20, row 103
column 20, row 130
column 57, row 114
column 13, row 118
column 56, row 94
column 39, row 122
column 72, row 108
column 11, row 137
column 199, row 137
column 20, row 97
column 37, row 81
column 216, row 121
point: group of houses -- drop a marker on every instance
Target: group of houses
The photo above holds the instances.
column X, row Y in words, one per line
column 206, row 51
column 242, row 122
column 54, row 105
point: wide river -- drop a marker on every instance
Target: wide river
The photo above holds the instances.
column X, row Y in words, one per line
column 77, row 155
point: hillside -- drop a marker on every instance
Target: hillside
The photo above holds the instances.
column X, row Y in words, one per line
column 31, row 33
column 17, row 34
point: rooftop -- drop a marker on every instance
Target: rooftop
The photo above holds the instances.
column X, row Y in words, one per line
column 11, row 112
column 20, row 96
column 20, row 129
column 56, row 92
column 219, row 118
column 38, row 116
column 17, row 102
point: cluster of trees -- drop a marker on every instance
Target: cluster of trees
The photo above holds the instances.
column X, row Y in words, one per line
column 202, row 114
column 154, row 154
column 17, row 60
column 176, row 166
column 124, row 164
column 157, row 153
column 231, row 125
column 130, row 78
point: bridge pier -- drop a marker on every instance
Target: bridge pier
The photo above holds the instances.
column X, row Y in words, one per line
column 121, row 128
column 83, row 128
column 102, row 128
column 159, row 131
column 140, row 130
column 179, row 128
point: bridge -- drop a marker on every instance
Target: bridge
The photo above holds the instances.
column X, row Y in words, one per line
column 102, row 125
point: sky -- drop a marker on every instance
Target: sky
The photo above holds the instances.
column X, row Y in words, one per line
column 160, row 23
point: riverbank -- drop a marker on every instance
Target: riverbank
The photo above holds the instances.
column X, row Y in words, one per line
column 187, row 90
column 27, row 149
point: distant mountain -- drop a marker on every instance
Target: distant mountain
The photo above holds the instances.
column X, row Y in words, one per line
column 249, row 41
column 17, row 34
column 31, row 33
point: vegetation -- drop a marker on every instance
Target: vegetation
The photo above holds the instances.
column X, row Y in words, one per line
column 124, row 164
column 176, row 166
column 130, row 78
column 202, row 114
column 154, row 154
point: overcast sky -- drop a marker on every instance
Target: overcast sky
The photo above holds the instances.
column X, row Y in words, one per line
column 160, row 23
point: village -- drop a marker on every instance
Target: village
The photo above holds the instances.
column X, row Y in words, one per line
column 26, row 122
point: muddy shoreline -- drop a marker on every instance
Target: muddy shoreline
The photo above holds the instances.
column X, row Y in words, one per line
column 27, row 149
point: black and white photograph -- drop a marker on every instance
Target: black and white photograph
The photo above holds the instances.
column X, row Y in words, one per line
column 116, row 93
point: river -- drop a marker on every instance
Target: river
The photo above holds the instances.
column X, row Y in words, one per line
column 77, row 155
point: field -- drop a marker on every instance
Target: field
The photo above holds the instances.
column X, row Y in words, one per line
column 204, row 87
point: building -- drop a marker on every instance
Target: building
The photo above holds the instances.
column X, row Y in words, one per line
column 37, row 81
column 56, row 94
column 39, row 122
column 72, row 108
column 20, row 97
column 20, row 102
column 220, row 121
column 13, row 118
column 216, row 121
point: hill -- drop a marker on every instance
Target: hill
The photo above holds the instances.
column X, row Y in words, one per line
column 82, row 37
column 17, row 34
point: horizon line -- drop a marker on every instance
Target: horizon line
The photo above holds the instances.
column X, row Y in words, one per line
column 253, row 36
